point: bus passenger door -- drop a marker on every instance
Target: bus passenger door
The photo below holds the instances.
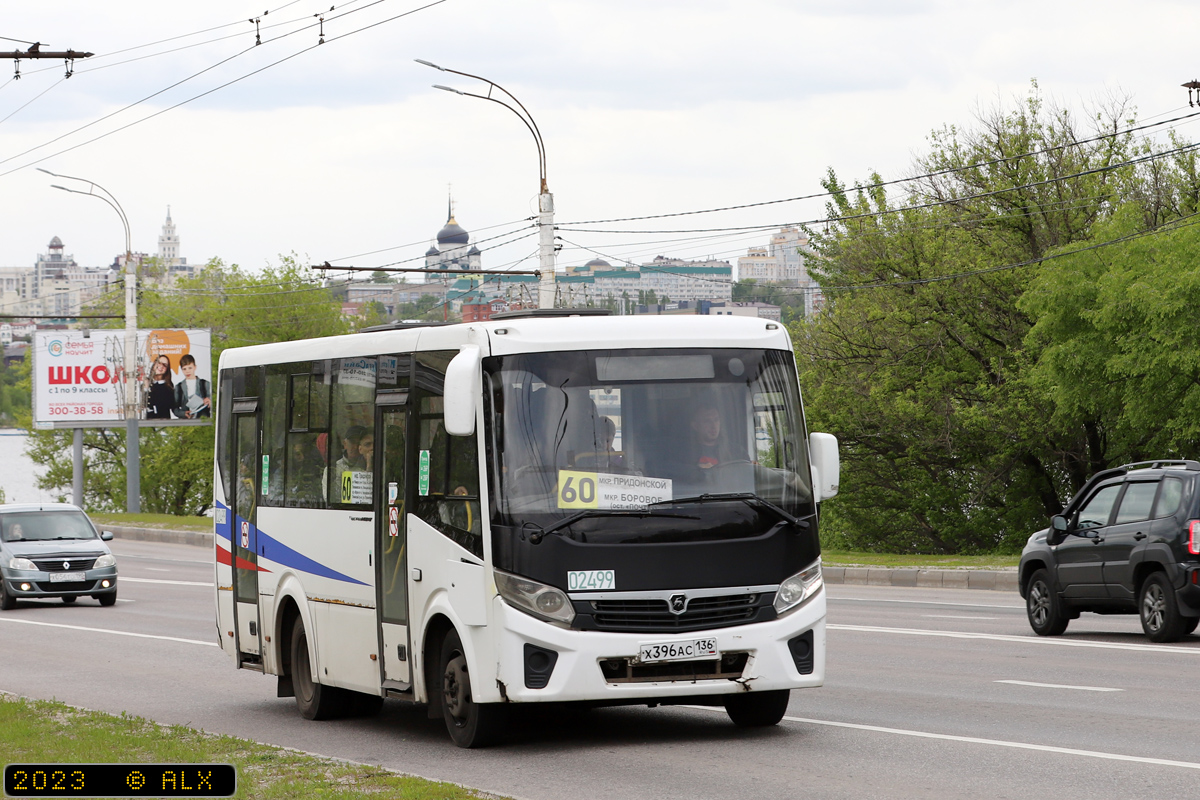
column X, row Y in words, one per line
column 245, row 537
column 391, row 576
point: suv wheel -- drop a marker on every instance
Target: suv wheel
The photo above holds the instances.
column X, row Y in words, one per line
column 1045, row 609
column 1159, row 612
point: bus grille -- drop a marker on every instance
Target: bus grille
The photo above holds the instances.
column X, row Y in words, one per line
column 653, row 615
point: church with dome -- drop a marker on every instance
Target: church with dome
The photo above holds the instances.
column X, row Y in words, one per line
column 453, row 251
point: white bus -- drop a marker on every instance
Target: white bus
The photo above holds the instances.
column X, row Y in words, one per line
column 542, row 508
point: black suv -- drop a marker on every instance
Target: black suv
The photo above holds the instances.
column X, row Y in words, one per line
column 1128, row 543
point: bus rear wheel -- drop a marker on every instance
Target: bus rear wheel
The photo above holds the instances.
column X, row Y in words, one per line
column 757, row 709
column 315, row 700
column 470, row 724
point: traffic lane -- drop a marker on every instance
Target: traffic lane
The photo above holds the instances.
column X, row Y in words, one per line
column 970, row 610
column 163, row 561
column 953, row 686
column 623, row 752
column 163, row 609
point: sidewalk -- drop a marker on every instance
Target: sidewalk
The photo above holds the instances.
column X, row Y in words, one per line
column 995, row 580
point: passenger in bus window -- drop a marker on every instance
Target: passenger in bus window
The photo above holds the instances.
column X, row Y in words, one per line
column 351, row 460
column 304, row 472
column 366, row 452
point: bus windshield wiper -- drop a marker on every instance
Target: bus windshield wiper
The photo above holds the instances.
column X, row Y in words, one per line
column 747, row 497
column 565, row 522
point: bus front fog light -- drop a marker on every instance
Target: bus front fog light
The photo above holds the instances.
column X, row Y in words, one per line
column 798, row 588
column 536, row 599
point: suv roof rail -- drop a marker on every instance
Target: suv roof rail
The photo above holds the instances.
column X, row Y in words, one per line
column 1163, row 463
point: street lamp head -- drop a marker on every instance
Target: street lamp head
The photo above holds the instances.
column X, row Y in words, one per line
column 448, row 89
column 429, row 64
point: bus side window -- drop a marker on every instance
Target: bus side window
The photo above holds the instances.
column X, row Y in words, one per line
column 350, row 446
column 451, row 502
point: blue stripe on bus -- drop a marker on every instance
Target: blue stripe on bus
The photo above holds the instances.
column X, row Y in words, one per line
column 269, row 547
column 282, row 554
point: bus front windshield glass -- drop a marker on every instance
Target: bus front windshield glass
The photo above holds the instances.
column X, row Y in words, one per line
column 582, row 440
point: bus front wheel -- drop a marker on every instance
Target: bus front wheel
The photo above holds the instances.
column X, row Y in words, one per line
column 315, row 700
column 470, row 724
column 757, row 709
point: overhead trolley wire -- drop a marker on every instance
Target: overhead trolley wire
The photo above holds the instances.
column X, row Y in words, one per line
column 327, row 40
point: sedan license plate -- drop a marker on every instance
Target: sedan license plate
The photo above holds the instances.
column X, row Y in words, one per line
column 66, row 577
column 686, row 650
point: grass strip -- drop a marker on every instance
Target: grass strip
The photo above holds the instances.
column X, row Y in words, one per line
column 844, row 558
column 43, row 731
column 160, row 521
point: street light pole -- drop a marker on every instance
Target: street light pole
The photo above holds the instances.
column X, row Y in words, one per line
column 133, row 463
column 546, row 249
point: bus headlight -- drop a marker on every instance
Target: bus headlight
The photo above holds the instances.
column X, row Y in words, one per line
column 106, row 560
column 798, row 588
column 21, row 563
column 537, row 599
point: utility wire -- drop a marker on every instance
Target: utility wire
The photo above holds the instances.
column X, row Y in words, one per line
column 30, row 102
column 918, row 207
column 896, row 181
column 202, row 94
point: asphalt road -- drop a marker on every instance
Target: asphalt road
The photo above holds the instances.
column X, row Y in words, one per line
column 929, row 693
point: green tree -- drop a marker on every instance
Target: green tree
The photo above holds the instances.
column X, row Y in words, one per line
column 950, row 441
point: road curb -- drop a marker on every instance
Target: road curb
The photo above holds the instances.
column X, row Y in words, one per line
column 194, row 538
column 985, row 579
column 992, row 580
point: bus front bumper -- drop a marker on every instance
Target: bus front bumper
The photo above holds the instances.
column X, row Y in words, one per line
column 543, row 663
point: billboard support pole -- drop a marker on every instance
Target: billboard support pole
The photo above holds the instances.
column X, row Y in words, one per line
column 77, row 468
column 133, row 461
column 133, row 476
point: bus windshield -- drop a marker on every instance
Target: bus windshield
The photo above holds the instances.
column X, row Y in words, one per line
column 600, row 435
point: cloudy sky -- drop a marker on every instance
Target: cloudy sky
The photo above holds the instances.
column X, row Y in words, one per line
column 343, row 152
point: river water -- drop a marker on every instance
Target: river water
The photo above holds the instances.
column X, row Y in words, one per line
column 17, row 470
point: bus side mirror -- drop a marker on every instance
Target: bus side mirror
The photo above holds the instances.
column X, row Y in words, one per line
column 462, row 386
column 826, row 467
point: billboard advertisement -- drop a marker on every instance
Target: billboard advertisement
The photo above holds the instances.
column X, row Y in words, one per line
column 79, row 377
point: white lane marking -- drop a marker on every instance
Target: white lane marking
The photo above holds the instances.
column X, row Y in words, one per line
column 1061, row 686
column 208, row 561
column 955, row 616
column 156, row 569
column 157, row 580
column 995, row 637
column 107, row 630
column 923, row 602
column 1069, row 751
